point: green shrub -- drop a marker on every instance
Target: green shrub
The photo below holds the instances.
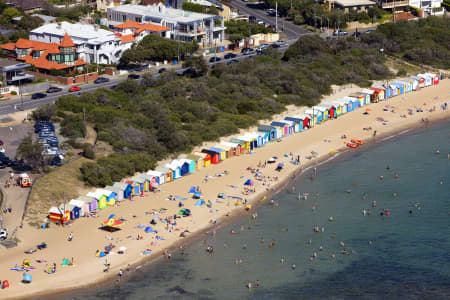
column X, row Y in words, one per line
column 88, row 151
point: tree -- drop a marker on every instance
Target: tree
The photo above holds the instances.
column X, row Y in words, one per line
column 157, row 48
column 30, row 152
column 44, row 113
column 29, row 23
column 8, row 14
column 189, row 6
column 198, row 63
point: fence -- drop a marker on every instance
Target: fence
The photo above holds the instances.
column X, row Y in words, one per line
column 67, row 80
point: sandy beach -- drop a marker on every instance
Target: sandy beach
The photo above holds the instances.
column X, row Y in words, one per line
column 324, row 139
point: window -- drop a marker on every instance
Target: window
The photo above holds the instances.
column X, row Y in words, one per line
column 138, row 19
column 124, row 18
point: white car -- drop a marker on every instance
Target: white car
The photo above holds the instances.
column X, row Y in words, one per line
column 3, row 234
column 2, row 150
column 280, row 43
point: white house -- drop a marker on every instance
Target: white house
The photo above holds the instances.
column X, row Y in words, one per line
column 184, row 25
column 103, row 5
column 431, row 7
column 93, row 44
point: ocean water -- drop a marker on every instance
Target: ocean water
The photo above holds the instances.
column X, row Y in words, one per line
column 405, row 255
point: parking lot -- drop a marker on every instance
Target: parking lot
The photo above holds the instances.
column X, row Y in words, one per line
column 15, row 196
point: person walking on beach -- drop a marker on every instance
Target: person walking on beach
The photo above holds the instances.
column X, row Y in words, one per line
column 70, row 237
column 119, row 276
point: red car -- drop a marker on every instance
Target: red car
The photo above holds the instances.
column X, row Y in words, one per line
column 74, row 88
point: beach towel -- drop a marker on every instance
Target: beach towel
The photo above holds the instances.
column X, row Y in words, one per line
column 148, row 229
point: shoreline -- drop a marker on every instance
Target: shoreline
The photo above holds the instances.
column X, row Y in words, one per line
column 255, row 199
column 225, row 221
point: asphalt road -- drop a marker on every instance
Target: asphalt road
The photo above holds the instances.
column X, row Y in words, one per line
column 291, row 31
column 13, row 105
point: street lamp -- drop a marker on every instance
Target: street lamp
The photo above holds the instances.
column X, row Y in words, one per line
column 328, row 28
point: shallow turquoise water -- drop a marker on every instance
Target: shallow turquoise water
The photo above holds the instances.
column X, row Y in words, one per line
column 401, row 256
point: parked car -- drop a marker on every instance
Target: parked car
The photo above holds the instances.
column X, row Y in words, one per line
column 215, row 59
column 274, row 45
column 74, row 88
column 251, row 19
column 273, row 13
column 232, row 61
column 229, row 55
column 369, row 30
column 340, row 33
column 56, row 161
column 280, row 43
column 162, row 70
column 190, row 71
column 54, row 89
column 3, row 234
column 2, row 166
column 248, row 51
column 134, row 76
column 101, row 80
column 38, row 95
column 2, row 150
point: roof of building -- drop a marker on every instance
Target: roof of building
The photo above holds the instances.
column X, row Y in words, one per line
column 26, row 4
column 350, row 3
column 76, row 31
column 141, row 26
column 163, row 12
column 41, row 62
column 66, row 41
column 126, row 38
column 8, row 63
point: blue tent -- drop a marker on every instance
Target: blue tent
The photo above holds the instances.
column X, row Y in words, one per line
column 200, row 202
column 192, row 190
column 248, row 182
column 148, row 229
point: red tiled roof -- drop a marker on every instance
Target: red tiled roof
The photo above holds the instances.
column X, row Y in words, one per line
column 66, row 41
column 8, row 46
column 24, row 44
column 128, row 24
column 141, row 26
column 48, row 48
column 127, row 38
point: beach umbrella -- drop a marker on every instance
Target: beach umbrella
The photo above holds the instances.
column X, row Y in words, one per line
column 111, row 216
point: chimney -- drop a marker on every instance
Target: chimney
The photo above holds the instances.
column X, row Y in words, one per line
column 58, row 25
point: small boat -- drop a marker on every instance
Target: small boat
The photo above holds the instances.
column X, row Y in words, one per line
column 359, row 142
column 352, row 145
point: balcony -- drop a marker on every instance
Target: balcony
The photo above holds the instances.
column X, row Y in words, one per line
column 390, row 4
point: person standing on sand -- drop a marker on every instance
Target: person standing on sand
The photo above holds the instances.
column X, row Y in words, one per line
column 70, row 237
